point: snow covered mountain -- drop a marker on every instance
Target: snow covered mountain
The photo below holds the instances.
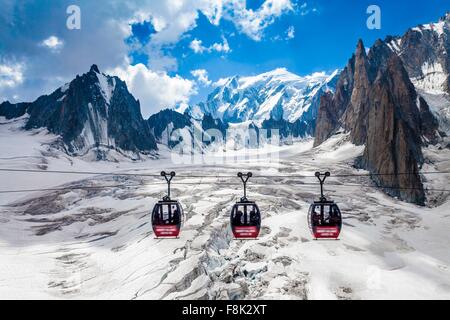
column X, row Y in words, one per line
column 94, row 113
column 277, row 95
column 424, row 51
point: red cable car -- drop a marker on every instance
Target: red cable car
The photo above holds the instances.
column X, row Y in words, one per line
column 167, row 215
column 324, row 217
column 245, row 216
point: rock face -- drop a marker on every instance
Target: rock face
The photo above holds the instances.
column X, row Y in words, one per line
column 424, row 51
column 93, row 112
column 297, row 129
column 164, row 123
column 208, row 123
column 377, row 103
column 11, row 111
column 168, row 120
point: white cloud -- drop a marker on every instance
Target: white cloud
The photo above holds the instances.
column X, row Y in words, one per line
column 11, row 75
column 221, row 47
column 253, row 23
column 53, row 43
column 26, row 30
column 155, row 90
column 197, row 46
column 221, row 82
column 290, row 33
column 202, row 76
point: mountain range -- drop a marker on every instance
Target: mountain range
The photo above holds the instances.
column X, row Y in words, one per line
column 275, row 96
column 393, row 98
column 379, row 101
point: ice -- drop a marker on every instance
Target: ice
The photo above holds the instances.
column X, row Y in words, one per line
column 439, row 104
column 433, row 79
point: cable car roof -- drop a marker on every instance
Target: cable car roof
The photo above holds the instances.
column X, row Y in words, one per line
column 324, row 202
column 168, row 202
column 246, row 201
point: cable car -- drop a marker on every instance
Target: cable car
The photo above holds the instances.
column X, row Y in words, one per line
column 167, row 215
column 324, row 216
column 245, row 216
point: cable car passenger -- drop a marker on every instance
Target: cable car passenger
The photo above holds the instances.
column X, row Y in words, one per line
column 238, row 218
column 253, row 217
column 335, row 217
column 176, row 216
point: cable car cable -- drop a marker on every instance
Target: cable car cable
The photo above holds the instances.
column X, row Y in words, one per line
column 213, row 176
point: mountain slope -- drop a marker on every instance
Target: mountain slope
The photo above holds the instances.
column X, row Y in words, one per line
column 424, row 51
column 94, row 111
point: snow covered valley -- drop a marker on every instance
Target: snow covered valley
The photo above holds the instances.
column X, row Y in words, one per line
column 98, row 243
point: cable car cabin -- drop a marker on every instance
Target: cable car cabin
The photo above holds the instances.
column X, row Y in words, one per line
column 245, row 216
column 245, row 220
column 167, row 219
column 325, row 220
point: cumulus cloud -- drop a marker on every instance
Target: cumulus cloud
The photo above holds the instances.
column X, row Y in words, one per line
column 11, row 75
column 155, row 90
column 202, row 76
column 53, row 43
column 221, row 47
column 197, row 46
column 253, row 22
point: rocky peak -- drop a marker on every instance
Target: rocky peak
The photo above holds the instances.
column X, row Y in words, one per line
column 94, row 68
column 377, row 103
column 424, row 51
column 94, row 112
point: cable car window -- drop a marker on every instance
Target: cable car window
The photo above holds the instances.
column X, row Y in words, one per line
column 175, row 214
column 246, row 215
column 165, row 213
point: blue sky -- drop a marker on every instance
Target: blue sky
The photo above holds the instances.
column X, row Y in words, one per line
column 162, row 47
column 324, row 38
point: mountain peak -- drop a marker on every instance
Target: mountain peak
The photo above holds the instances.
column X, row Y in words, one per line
column 278, row 94
column 446, row 17
column 360, row 48
column 94, row 68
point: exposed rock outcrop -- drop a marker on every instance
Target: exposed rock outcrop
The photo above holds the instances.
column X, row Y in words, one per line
column 94, row 111
column 377, row 103
column 425, row 51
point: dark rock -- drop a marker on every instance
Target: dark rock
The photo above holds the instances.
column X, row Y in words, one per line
column 166, row 121
column 377, row 103
column 86, row 117
column 11, row 111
